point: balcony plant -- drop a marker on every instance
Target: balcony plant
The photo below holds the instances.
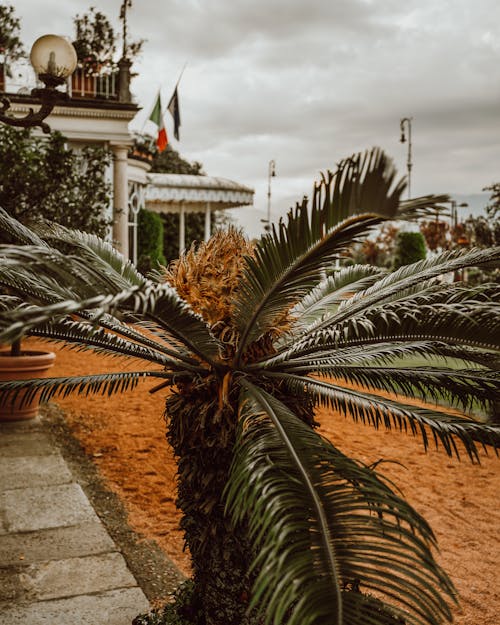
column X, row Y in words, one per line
column 96, row 44
column 282, row 527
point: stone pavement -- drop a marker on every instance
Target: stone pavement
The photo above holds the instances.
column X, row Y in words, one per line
column 58, row 564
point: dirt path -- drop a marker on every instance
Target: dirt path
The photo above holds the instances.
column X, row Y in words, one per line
column 125, row 436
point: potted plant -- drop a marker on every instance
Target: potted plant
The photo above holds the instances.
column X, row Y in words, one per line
column 95, row 45
column 18, row 364
column 281, row 525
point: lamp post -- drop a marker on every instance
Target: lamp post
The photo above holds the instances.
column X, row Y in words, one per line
column 53, row 59
column 406, row 121
column 271, row 174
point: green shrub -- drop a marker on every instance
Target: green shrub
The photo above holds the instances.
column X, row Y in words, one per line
column 410, row 248
column 149, row 241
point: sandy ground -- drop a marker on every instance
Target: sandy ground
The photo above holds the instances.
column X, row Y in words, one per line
column 125, row 436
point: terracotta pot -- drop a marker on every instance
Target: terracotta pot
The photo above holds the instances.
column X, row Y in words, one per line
column 27, row 366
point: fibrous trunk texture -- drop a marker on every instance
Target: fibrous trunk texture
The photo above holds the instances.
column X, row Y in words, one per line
column 202, row 434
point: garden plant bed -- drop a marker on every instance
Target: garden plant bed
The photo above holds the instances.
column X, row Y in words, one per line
column 125, row 437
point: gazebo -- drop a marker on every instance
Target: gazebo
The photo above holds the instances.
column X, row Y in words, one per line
column 184, row 193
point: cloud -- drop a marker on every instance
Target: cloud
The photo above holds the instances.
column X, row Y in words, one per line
column 308, row 83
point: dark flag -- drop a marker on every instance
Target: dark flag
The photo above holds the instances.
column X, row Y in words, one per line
column 173, row 107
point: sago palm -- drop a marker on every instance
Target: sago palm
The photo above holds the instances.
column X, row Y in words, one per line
column 282, row 526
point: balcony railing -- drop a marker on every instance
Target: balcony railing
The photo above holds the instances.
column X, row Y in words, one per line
column 102, row 87
column 81, row 85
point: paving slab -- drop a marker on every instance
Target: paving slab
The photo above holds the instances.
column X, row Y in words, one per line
column 30, row 509
column 16, row 442
column 57, row 579
column 58, row 543
column 58, row 564
column 26, row 471
column 116, row 607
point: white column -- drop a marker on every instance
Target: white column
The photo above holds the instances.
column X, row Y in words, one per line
column 120, row 198
column 182, row 230
column 207, row 222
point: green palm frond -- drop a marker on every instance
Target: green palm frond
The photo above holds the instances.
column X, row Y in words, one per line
column 450, row 314
column 16, row 233
column 64, row 275
column 87, row 336
column 331, row 291
column 467, row 354
column 97, row 384
column 133, row 332
column 26, row 317
column 288, row 265
column 424, row 206
column 94, row 250
column 322, row 522
column 20, row 275
column 368, row 407
column 380, row 353
column 459, row 387
column 364, row 183
column 157, row 301
column 409, row 276
column 161, row 305
column 472, row 323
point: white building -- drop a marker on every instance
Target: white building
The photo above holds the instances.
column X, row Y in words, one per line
column 98, row 112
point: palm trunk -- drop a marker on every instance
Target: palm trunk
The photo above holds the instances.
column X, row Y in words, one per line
column 203, row 436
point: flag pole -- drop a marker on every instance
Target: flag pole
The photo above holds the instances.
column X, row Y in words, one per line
column 180, row 75
column 177, row 83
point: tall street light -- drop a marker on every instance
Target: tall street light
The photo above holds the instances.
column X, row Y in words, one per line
column 271, row 174
column 53, row 59
column 406, row 121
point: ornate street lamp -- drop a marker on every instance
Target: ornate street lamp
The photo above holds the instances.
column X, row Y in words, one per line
column 53, row 59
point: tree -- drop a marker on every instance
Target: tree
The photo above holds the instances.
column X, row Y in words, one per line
column 95, row 42
column 493, row 207
column 378, row 250
column 149, row 241
column 171, row 162
column 410, row 248
column 437, row 234
column 41, row 177
column 281, row 525
column 483, row 232
column 10, row 43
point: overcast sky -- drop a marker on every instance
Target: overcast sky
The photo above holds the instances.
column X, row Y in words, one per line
column 308, row 82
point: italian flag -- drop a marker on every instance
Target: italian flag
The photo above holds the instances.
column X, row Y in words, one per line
column 157, row 117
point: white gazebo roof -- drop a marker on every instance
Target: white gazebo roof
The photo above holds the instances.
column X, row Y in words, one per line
column 185, row 193
column 167, row 193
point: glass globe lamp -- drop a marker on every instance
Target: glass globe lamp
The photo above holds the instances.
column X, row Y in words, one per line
column 53, row 59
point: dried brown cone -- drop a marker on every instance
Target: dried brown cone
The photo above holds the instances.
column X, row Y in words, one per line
column 207, row 276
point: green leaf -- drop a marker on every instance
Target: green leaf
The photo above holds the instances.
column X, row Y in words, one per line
column 289, row 262
column 308, row 508
column 366, row 406
column 97, row 384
